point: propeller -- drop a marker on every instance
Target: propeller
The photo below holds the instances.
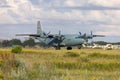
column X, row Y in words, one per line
column 59, row 37
column 86, row 37
column 59, row 40
column 92, row 42
column 82, row 36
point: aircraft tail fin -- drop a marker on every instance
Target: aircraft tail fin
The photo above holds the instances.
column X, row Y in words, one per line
column 40, row 33
column 39, row 30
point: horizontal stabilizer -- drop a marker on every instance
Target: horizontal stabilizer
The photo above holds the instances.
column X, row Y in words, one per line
column 34, row 35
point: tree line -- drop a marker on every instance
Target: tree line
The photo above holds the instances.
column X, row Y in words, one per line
column 104, row 43
column 9, row 43
column 31, row 43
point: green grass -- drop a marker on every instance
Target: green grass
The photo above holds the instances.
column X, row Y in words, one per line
column 49, row 64
column 71, row 54
column 108, row 56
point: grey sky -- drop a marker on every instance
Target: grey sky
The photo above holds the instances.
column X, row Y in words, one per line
column 70, row 16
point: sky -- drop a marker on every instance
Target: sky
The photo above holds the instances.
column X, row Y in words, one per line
column 69, row 16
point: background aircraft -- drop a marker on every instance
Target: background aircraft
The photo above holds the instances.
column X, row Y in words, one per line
column 59, row 40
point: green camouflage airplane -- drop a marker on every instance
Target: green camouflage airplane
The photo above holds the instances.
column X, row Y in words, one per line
column 59, row 40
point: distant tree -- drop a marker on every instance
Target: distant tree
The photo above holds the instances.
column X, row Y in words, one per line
column 101, row 42
column 29, row 42
column 6, row 43
column 41, row 44
column 117, row 43
column 15, row 42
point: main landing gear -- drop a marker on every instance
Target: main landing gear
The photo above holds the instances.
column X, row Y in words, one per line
column 69, row 48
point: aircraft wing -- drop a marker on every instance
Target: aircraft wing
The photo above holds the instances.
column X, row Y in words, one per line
column 98, row 35
column 34, row 35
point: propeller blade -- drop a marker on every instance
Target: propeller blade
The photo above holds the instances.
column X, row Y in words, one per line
column 85, row 35
column 80, row 33
column 91, row 33
column 48, row 33
column 59, row 32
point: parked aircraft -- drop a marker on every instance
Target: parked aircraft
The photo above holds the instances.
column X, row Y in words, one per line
column 59, row 40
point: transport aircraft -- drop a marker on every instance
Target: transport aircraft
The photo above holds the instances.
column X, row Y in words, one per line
column 59, row 40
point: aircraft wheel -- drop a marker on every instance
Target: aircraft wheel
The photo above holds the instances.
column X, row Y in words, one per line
column 69, row 48
column 79, row 47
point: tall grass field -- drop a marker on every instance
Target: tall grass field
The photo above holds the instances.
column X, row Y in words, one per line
column 50, row 64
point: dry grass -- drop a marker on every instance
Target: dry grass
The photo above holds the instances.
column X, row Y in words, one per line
column 85, row 64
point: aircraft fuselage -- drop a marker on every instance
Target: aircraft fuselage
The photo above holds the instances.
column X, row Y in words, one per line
column 68, row 41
